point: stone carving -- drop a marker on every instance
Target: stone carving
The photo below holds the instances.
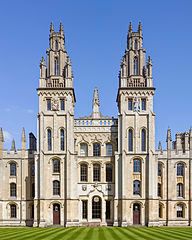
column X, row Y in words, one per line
column 136, row 105
column 55, row 104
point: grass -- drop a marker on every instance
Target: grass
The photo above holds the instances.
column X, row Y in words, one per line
column 98, row 233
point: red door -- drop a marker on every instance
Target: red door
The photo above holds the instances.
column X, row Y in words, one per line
column 56, row 214
column 136, row 214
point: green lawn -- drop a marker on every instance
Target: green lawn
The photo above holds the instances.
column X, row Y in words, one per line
column 102, row 233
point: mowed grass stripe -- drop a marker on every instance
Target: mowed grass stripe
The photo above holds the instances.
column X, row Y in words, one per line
column 114, row 234
column 132, row 234
column 89, row 234
column 174, row 234
column 73, row 234
column 19, row 232
column 182, row 233
column 102, row 233
column 34, row 235
column 82, row 235
column 62, row 233
column 167, row 235
column 10, row 232
column 153, row 234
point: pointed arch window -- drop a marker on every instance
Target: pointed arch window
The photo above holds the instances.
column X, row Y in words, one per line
column 84, row 149
column 180, row 169
column 180, row 210
column 109, row 172
column 136, row 165
column 136, row 187
column 96, row 173
column 56, row 67
column 160, row 169
column 13, row 190
column 56, row 187
column 136, row 66
column 13, row 169
column 62, row 139
column 159, row 190
column 84, row 172
column 56, row 166
column 180, row 190
column 136, row 44
column 96, row 149
column 13, row 211
column 143, row 140
column 56, row 44
column 109, row 149
column 49, row 139
column 130, row 140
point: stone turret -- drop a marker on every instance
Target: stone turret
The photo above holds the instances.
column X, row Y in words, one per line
column 23, row 140
column 169, row 139
column 96, row 104
column 1, row 142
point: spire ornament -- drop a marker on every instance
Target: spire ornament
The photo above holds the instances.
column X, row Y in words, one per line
column 96, row 104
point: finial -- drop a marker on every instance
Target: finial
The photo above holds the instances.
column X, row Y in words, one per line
column 13, row 148
column 1, row 135
column 159, row 146
column 42, row 62
column 51, row 28
column 130, row 27
column 23, row 137
column 169, row 134
column 61, row 27
column 139, row 27
column 96, row 104
column 149, row 60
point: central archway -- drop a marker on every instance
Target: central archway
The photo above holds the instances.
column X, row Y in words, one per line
column 96, row 207
column 136, row 214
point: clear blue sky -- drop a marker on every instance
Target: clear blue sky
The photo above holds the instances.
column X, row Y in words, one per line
column 95, row 32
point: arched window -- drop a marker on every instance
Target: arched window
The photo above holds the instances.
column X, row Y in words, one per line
column 160, row 211
column 180, row 169
column 160, row 169
column 56, row 166
column 159, row 192
column 130, row 140
column 56, row 66
column 96, row 207
column 96, row 149
column 13, row 169
column 13, row 211
column 13, row 190
column 180, row 190
column 96, row 173
column 109, row 149
column 49, row 140
column 109, row 172
column 180, row 210
column 143, row 140
column 84, row 172
column 136, row 44
column 136, row 67
column 83, row 149
column 62, row 139
column 56, row 44
column 136, row 187
column 136, row 165
column 56, row 187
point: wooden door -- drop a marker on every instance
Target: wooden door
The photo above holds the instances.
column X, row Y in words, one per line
column 56, row 214
column 136, row 214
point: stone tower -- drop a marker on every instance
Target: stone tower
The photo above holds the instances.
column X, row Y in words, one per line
column 55, row 153
column 136, row 163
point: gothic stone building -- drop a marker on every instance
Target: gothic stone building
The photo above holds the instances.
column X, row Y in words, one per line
column 96, row 170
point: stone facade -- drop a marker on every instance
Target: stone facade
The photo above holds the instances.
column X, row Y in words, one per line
column 96, row 170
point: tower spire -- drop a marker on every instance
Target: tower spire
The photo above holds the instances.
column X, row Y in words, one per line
column 1, row 135
column 96, row 104
column 13, row 147
column 51, row 28
column 130, row 27
column 23, row 139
